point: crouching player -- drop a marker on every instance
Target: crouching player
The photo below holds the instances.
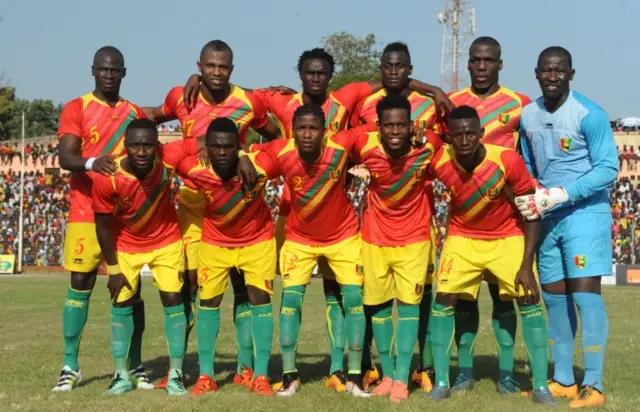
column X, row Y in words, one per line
column 237, row 232
column 136, row 223
column 486, row 233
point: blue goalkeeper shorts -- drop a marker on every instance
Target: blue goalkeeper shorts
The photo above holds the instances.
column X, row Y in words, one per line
column 575, row 246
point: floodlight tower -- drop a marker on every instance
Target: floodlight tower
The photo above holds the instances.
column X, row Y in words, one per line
column 458, row 19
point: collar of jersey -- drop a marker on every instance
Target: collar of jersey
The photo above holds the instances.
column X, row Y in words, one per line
column 452, row 154
column 232, row 91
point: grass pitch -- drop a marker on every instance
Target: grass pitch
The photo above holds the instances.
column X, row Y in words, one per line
column 31, row 352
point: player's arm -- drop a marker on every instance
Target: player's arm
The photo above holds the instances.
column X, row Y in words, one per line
column 167, row 111
column 603, row 155
column 70, row 144
column 440, row 97
column 261, row 122
column 103, row 203
column 526, row 151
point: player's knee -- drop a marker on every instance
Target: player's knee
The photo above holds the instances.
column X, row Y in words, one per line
column 352, row 299
column 466, row 307
column 83, row 281
column 170, row 298
column 331, row 288
column 446, row 299
column 258, row 296
column 214, row 302
column 503, row 308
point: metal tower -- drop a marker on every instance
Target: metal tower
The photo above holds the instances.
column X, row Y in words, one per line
column 458, row 20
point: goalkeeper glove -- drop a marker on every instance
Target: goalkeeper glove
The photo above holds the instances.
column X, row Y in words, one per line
column 534, row 206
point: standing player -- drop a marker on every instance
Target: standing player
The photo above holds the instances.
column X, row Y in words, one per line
column 569, row 147
column 217, row 97
column 91, row 131
column 321, row 222
column 485, row 233
column 136, row 224
column 395, row 69
column 237, row 232
column 315, row 68
column 499, row 109
column 394, row 252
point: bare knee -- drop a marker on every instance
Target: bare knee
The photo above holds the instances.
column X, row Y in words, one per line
column 83, row 281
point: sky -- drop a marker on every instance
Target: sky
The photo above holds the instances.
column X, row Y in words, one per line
column 47, row 46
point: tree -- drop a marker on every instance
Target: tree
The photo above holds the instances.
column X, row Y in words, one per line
column 7, row 113
column 41, row 117
column 356, row 58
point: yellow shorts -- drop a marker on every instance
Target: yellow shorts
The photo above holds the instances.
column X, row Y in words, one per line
column 464, row 261
column 257, row 262
column 190, row 214
column 166, row 264
column 81, row 249
column 345, row 259
column 396, row 272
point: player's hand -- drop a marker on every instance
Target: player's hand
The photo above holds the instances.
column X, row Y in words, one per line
column 203, row 158
column 282, row 90
column 115, row 285
column 533, row 206
column 527, row 281
column 418, row 136
column 190, row 92
column 443, row 103
column 247, row 172
column 105, row 165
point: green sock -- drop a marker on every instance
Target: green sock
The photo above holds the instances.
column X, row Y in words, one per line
column 534, row 330
column 335, row 332
column 262, row 331
column 242, row 323
column 207, row 327
column 354, row 324
column 505, row 323
column 290, row 326
column 175, row 330
column 382, row 325
column 467, row 320
column 407, row 336
column 442, row 334
column 74, row 317
column 121, row 325
column 424, row 332
column 135, row 351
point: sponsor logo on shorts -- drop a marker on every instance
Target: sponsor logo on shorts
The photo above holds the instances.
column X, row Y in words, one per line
column 504, row 118
column 78, row 261
column 566, row 144
column 580, row 261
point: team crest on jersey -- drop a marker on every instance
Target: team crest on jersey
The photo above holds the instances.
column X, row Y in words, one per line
column 335, row 175
column 420, row 172
column 493, row 193
column 422, row 124
column 566, row 144
column 333, row 127
column 580, row 261
column 504, row 118
column 124, row 202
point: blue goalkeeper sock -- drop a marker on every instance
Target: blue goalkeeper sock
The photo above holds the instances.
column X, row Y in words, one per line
column 595, row 328
column 562, row 332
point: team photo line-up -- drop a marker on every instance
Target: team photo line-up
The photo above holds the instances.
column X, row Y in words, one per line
column 529, row 205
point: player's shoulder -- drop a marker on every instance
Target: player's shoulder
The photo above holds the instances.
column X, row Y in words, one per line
column 371, row 141
column 454, row 96
column 522, row 99
column 500, row 154
column 443, row 156
column 589, row 107
column 533, row 108
column 282, row 147
column 374, row 98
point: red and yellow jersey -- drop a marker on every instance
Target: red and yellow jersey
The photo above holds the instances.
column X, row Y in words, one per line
column 423, row 111
column 101, row 129
column 233, row 216
column 337, row 107
column 398, row 211
column 480, row 200
column 499, row 114
column 319, row 211
column 144, row 216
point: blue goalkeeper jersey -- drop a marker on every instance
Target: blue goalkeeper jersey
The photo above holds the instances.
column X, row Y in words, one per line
column 571, row 148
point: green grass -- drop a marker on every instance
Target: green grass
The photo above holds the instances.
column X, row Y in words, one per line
column 31, row 352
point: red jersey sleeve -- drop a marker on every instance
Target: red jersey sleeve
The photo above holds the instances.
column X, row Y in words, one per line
column 516, row 173
column 353, row 140
column 102, row 198
column 352, row 93
column 174, row 97
column 273, row 148
column 435, row 140
column 186, row 165
column 265, row 164
column 173, row 153
column 354, row 120
column 71, row 119
column 260, row 118
column 525, row 99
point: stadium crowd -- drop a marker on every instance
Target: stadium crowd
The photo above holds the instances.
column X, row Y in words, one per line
column 35, row 153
